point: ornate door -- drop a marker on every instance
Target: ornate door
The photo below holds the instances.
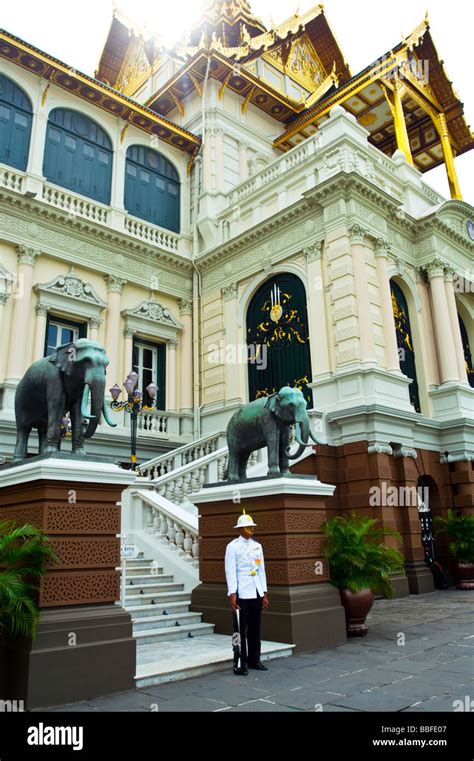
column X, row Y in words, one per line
column 278, row 338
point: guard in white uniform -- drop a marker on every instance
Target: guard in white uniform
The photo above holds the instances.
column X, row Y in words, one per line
column 247, row 590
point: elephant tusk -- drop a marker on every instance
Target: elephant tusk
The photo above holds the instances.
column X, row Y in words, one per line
column 106, row 413
column 316, row 440
column 84, row 402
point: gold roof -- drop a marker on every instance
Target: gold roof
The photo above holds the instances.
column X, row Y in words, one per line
column 427, row 91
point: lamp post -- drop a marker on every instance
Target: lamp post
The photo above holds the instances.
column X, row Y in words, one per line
column 134, row 406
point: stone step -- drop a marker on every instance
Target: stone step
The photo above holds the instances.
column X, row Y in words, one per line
column 137, row 599
column 159, row 622
column 174, row 660
column 154, row 583
column 140, row 560
column 166, row 634
column 171, row 608
column 140, row 577
column 138, row 570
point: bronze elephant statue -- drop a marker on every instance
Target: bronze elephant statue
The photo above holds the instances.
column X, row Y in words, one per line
column 266, row 422
column 58, row 384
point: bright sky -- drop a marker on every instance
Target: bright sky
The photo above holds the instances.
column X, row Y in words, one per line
column 365, row 29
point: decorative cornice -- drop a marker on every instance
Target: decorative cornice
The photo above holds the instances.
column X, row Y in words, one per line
column 230, row 292
column 42, row 309
column 72, row 287
column 39, row 211
column 154, row 312
column 314, row 251
column 185, row 307
column 27, row 255
column 115, row 283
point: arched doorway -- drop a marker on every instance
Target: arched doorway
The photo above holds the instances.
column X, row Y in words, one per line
column 406, row 352
column 278, row 338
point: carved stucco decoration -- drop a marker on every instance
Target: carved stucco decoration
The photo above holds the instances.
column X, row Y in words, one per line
column 70, row 294
column 152, row 319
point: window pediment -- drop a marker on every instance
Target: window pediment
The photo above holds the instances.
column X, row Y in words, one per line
column 153, row 319
column 71, row 294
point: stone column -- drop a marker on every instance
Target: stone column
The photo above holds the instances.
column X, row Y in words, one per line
column 127, row 367
column 40, row 330
column 232, row 371
column 454, row 320
column 112, row 327
column 391, row 347
column 366, row 336
column 94, row 325
column 448, row 365
column 18, row 358
column 428, row 339
column 171, row 382
column 207, row 160
column 186, row 317
column 317, row 317
column 243, row 161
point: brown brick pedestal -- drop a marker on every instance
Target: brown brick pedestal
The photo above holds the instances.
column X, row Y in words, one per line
column 84, row 646
column 305, row 610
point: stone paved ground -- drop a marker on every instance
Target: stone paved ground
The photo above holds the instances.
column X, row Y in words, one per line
column 432, row 669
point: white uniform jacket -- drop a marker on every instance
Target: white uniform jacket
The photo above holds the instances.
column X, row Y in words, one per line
column 245, row 568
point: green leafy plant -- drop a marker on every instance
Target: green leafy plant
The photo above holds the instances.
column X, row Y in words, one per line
column 357, row 558
column 24, row 552
column 461, row 529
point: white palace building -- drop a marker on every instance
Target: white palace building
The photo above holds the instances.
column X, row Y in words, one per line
column 164, row 205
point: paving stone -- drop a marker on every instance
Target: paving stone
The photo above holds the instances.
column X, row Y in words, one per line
column 190, row 703
column 304, row 699
column 125, row 701
column 370, row 701
column 260, row 706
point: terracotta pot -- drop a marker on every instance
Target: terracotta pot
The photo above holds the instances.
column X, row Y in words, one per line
column 464, row 575
column 356, row 606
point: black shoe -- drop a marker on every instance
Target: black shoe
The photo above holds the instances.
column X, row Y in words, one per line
column 259, row 667
column 242, row 671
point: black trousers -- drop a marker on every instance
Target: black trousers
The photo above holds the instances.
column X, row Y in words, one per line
column 250, row 617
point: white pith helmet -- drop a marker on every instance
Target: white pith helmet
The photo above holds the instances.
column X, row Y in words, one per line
column 245, row 521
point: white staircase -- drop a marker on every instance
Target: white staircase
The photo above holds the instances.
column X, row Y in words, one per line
column 159, row 516
column 158, row 605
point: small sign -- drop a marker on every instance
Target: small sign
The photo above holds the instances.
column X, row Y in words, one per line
column 470, row 228
column 128, row 551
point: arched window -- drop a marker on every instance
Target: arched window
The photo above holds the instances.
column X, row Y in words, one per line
column 278, row 338
column 15, row 124
column 152, row 188
column 78, row 155
column 406, row 352
column 467, row 353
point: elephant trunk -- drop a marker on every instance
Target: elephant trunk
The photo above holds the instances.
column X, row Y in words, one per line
column 302, row 433
column 97, row 388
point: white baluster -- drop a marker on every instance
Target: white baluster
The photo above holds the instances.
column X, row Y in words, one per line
column 164, row 530
column 188, row 546
column 171, row 535
column 179, row 539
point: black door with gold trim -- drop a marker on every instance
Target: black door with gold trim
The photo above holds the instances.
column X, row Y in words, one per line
column 278, row 338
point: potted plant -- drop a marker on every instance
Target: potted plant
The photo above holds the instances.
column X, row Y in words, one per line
column 359, row 565
column 461, row 529
column 24, row 552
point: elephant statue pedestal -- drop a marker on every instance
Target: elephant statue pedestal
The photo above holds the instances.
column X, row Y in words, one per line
column 305, row 609
column 84, row 646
